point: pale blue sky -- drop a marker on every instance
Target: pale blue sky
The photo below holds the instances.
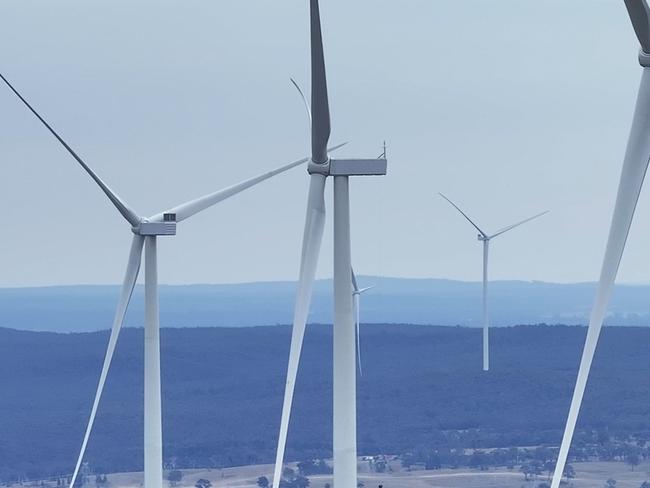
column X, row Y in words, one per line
column 509, row 107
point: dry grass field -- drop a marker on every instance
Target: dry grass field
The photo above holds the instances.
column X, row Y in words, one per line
column 588, row 475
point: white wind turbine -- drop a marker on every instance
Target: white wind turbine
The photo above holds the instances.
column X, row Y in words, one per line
column 320, row 167
column 633, row 173
column 356, row 291
column 485, row 238
column 145, row 232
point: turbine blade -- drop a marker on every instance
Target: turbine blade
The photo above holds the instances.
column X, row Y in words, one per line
column 320, row 129
column 312, row 238
column 122, row 207
column 640, row 15
column 130, row 278
column 355, row 296
column 510, row 227
column 188, row 209
column 464, row 215
column 635, row 166
column 357, row 300
column 363, row 290
column 304, row 99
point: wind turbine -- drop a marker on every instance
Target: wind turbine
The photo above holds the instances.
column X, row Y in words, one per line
column 344, row 364
column 145, row 233
column 485, row 238
column 356, row 292
column 633, row 173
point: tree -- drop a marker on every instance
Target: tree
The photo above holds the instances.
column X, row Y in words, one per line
column 633, row 459
column 203, row 483
column 408, row 460
column 433, row 461
column 526, row 469
column 312, row 466
column 569, row 472
column 549, row 467
column 360, row 484
column 645, row 484
column 611, row 483
column 531, row 469
column 174, row 477
column 263, row 482
column 301, row 482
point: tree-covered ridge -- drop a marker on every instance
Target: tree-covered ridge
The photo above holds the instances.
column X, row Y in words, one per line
column 422, row 390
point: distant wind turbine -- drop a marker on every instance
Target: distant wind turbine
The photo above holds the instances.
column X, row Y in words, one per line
column 356, row 292
column 145, row 232
column 633, row 173
column 344, row 365
column 485, row 238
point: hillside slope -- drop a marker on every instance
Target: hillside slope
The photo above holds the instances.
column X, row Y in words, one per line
column 222, row 388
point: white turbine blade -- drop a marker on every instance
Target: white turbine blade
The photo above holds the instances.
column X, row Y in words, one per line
column 355, row 286
column 311, row 242
column 357, row 299
column 635, row 166
column 130, row 278
column 363, row 290
column 304, row 99
column 355, row 303
column 510, row 227
column 188, row 209
column 122, row 207
column 464, row 215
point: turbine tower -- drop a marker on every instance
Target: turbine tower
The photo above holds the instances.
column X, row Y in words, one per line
column 344, row 365
column 485, row 238
column 145, row 234
column 635, row 165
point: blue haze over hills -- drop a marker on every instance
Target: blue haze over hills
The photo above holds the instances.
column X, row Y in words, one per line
column 392, row 300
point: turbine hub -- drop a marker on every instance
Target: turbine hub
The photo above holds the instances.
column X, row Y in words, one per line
column 644, row 58
column 314, row 168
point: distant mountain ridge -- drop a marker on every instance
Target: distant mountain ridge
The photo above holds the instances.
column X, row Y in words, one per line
column 392, row 300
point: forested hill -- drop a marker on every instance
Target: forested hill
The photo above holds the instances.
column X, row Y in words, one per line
column 392, row 300
column 222, row 388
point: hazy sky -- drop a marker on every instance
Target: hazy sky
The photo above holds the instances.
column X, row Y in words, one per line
column 510, row 107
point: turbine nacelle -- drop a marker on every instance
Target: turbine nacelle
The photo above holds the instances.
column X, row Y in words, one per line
column 349, row 167
column 156, row 228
